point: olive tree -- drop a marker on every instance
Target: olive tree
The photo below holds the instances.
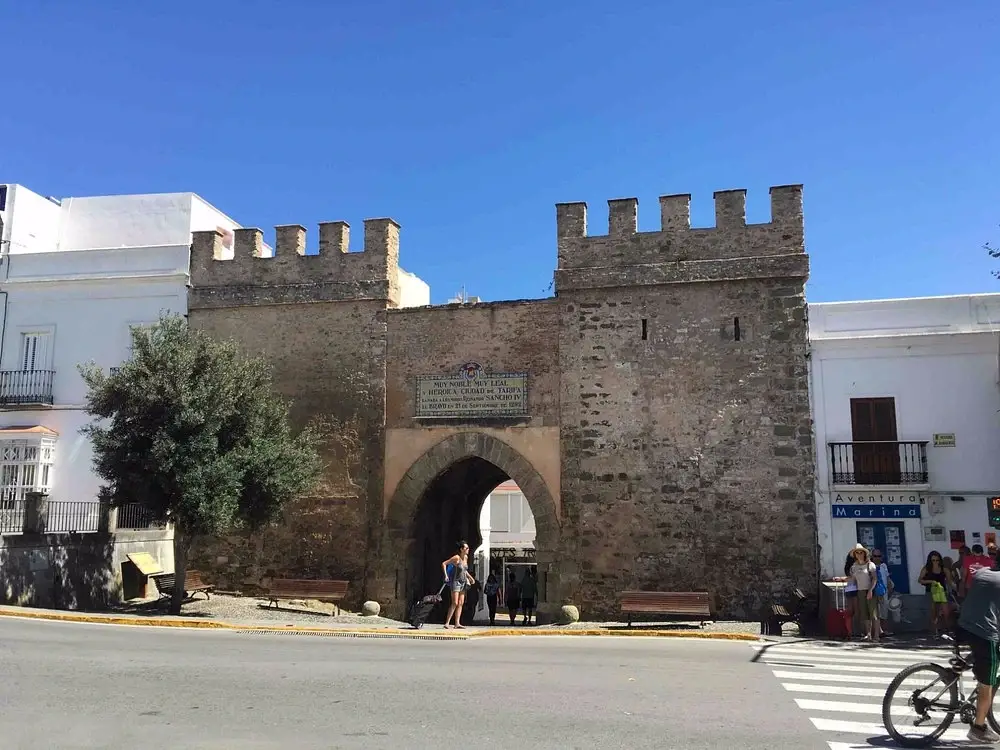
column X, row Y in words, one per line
column 191, row 429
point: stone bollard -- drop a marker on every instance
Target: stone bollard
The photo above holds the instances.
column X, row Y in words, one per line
column 568, row 614
column 370, row 609
column 36, row 512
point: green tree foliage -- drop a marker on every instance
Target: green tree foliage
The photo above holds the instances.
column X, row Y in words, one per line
column 191, row 428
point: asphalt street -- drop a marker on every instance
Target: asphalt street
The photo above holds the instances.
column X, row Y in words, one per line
column 69, row 686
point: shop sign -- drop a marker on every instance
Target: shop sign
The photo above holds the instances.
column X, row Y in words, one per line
column 891, row 498
column 876, row 511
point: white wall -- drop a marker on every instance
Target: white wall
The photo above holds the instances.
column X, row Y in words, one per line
column 126, row 221
column 413, row 291
column 31, row 221
column 87, row 300
column 938, row 358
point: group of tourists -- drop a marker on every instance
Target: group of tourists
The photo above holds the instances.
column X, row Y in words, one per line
column 945, row 581
column 518, row 596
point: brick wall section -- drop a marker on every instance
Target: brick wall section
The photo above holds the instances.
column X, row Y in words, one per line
column 687, row 457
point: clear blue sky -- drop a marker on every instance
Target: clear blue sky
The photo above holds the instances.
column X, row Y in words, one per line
column 466, row 122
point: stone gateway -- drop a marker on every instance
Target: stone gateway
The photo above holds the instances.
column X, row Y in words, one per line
column 655, row 411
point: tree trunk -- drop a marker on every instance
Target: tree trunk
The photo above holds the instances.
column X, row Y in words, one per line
column 181, row 545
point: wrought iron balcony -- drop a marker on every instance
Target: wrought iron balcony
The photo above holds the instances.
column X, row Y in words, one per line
column 879, row 463
column 23, row 387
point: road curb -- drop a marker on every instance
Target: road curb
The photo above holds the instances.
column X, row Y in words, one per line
column 159, row 622
column 634, row 632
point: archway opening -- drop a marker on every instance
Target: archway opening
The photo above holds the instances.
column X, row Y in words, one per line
column 475, row 501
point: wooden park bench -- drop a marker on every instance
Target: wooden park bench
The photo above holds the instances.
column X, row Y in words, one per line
column 777, row 614
column 687, row 604
column 301, row 588
column 193, row 584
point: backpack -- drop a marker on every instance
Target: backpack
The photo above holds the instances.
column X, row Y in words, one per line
column 880, row 587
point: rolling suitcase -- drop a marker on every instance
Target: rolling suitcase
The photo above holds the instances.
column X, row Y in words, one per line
column 838, row 619
column 422, row 608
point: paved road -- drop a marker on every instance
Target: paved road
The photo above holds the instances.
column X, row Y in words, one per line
column 69, row 686
column 840, row 687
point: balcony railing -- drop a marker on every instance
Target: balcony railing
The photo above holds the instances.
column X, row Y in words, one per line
column 879, row 463
column 19, row 387
column 74, row 516
column 11, row 514
column 135, row 516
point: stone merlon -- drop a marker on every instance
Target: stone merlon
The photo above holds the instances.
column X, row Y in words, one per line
column 372, row 272
column 676, row 240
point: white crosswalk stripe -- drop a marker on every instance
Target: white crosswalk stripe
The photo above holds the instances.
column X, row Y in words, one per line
column 840, row 687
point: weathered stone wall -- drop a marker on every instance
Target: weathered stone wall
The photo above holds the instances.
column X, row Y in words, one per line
column 519, row 336
column 669, row 445
column 513, row 337
column 686, row 447
column 321, row 321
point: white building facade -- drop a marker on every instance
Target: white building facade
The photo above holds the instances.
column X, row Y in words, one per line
column 76, row 275
column 906, row 411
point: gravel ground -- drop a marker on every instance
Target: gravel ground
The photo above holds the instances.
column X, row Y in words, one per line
column 254, row 610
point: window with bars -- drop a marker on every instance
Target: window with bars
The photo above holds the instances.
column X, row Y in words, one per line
column 25, row 466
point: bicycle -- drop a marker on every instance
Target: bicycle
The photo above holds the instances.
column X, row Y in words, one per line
column 924, row 700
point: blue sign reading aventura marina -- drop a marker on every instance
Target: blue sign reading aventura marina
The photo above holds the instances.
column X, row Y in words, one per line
column 876, row 511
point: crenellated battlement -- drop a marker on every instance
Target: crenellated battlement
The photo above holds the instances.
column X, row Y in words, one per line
column 676, row 242
column 290, row 275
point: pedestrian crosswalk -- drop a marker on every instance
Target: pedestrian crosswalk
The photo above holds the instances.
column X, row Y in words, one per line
column 840, row 687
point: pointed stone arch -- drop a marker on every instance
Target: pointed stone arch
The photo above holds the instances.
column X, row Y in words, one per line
column 409, row 492
column 400, row 514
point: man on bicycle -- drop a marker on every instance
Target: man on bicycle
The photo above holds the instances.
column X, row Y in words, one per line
column 979, row 627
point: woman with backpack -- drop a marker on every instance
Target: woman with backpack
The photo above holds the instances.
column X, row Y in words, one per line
column 870, row 592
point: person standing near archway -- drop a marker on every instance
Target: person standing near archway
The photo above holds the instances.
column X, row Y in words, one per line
column 459, row 583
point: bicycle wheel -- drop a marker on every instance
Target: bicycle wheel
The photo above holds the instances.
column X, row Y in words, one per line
column 919, row 697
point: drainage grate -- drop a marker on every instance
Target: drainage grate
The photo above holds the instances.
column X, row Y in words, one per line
column 349, row 634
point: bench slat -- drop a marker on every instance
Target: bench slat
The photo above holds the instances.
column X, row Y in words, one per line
column 682, row 603
column 286, row 588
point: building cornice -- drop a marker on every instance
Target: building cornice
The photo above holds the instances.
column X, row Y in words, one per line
column 181, row 276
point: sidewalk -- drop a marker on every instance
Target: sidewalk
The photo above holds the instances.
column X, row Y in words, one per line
column 224, row 612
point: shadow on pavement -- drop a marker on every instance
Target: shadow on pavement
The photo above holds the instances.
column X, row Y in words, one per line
column 158, row 608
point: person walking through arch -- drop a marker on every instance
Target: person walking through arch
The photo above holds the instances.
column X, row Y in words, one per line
column 458, row 582
column 512, row 596
column 492, row 591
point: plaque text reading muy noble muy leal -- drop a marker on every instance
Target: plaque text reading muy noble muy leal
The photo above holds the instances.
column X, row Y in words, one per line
column 500, row 394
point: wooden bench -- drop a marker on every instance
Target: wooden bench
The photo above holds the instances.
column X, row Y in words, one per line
column 778, row 613
column 193, row 584
column 301, row 588
column 688, row 604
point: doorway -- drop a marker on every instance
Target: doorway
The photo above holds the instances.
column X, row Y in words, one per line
column 889, row 537
column 874, row 437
